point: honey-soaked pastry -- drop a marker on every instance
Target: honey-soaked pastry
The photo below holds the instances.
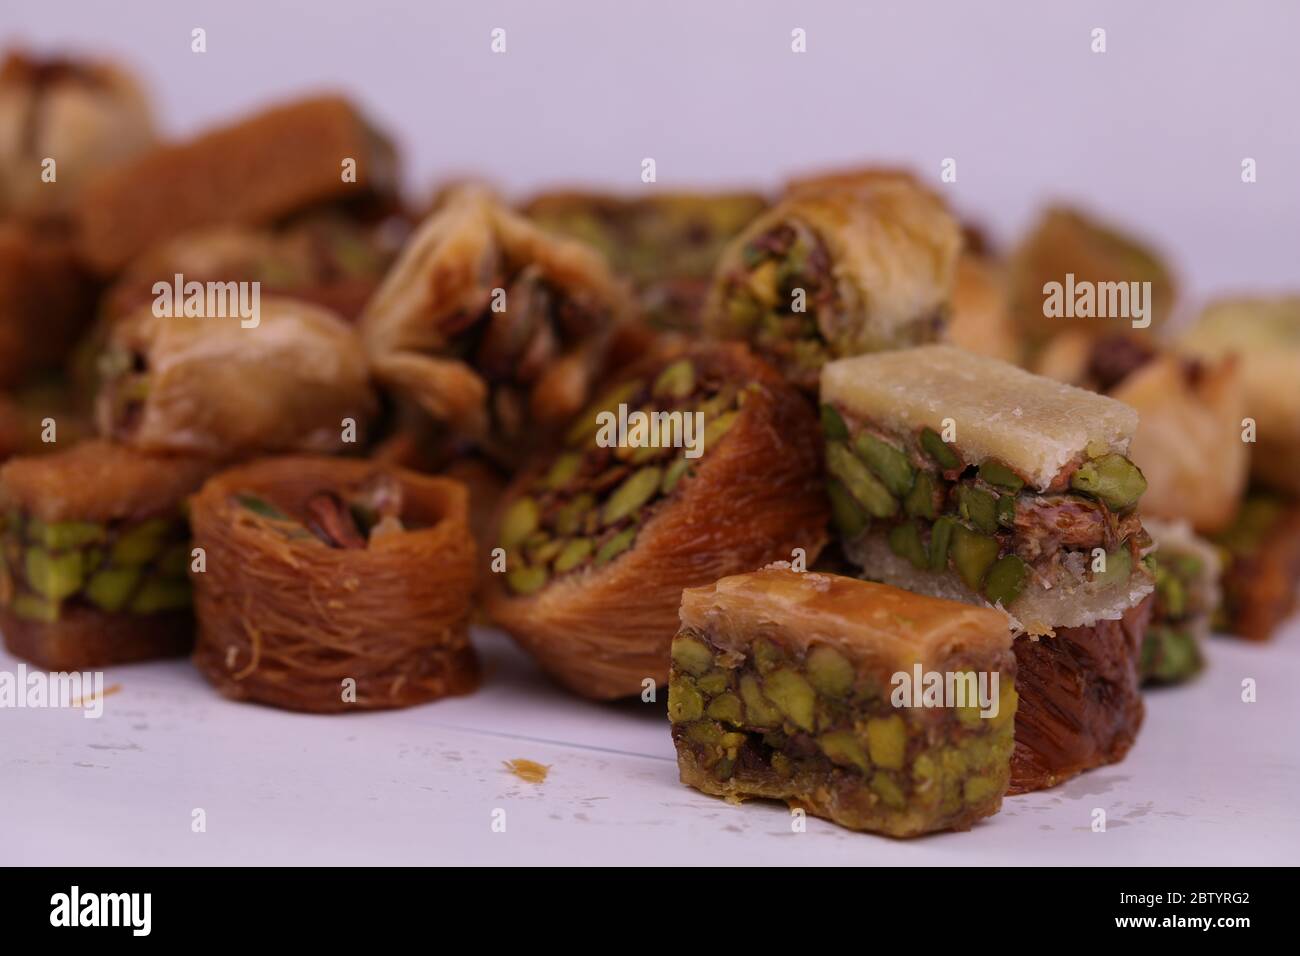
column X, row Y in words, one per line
column 334, row 585
column 1261, row 575
column 1066, row 242
column 667, row 244
column 1188, row 441
column 94, row 555
column 1080, row 699
column 1017, row 509
column 785, row 685
column 327, row 258
column 837, row 269
column 495, row 327
column 687, row 468
column 86, row 115
column 291, row 379
column 1264, row 335
column 258, row 171
column 1187, row 570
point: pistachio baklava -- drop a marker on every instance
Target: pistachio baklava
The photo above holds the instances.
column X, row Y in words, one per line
column 95, row 553
column 334, row 585
column 965, row 477
column 293, row 377
column 821, row 691
column 495, row 327
column 837, row 269
column 686, row 468
column 1187, row 572
column 667, row 244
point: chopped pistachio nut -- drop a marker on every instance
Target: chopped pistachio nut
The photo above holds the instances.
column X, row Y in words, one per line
column 586, row 507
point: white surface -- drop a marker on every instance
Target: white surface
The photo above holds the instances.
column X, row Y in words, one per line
column 1211, row 780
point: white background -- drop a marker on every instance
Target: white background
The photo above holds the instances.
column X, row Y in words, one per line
column 1150, row 133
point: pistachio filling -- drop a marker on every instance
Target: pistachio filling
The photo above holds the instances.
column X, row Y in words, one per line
column 981, row 520
column 586, row 508
column 1170, row 650
column 761, row 304
column 787, row 722
column 136, row 567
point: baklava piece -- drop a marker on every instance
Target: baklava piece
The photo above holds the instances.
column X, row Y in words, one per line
column 495, row 327
column 838, row 269
column 334, row 585
column 784, row 686
column 226, row 387
column 717, row 472
column 94, row 558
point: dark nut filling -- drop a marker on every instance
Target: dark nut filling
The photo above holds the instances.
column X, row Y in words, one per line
column 941, row 511
column 585, row 509
column 137, row 567
column 792, row 722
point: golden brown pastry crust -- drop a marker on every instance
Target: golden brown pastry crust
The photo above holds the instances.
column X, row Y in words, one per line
column 218, row 389
column 893, row 251
column 1188, row 440
column 1066, row 241
column 444, row 282
column 980, row 320
column 86, row 638
column 283, row 160
column 286, row 620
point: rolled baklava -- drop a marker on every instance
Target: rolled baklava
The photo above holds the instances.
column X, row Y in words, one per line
column 837, row 269
column 667, row 244
column 965, row 477
column 1085, row 256
column 495, row 327
column 876, row 708
column 1187, row 572
column 334, row 585
column 94, row 557
column 1261, row 574
column 292, row 378
column 686, row 468
column 1188, row 441
column 1264, row 335
column 306, row 154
